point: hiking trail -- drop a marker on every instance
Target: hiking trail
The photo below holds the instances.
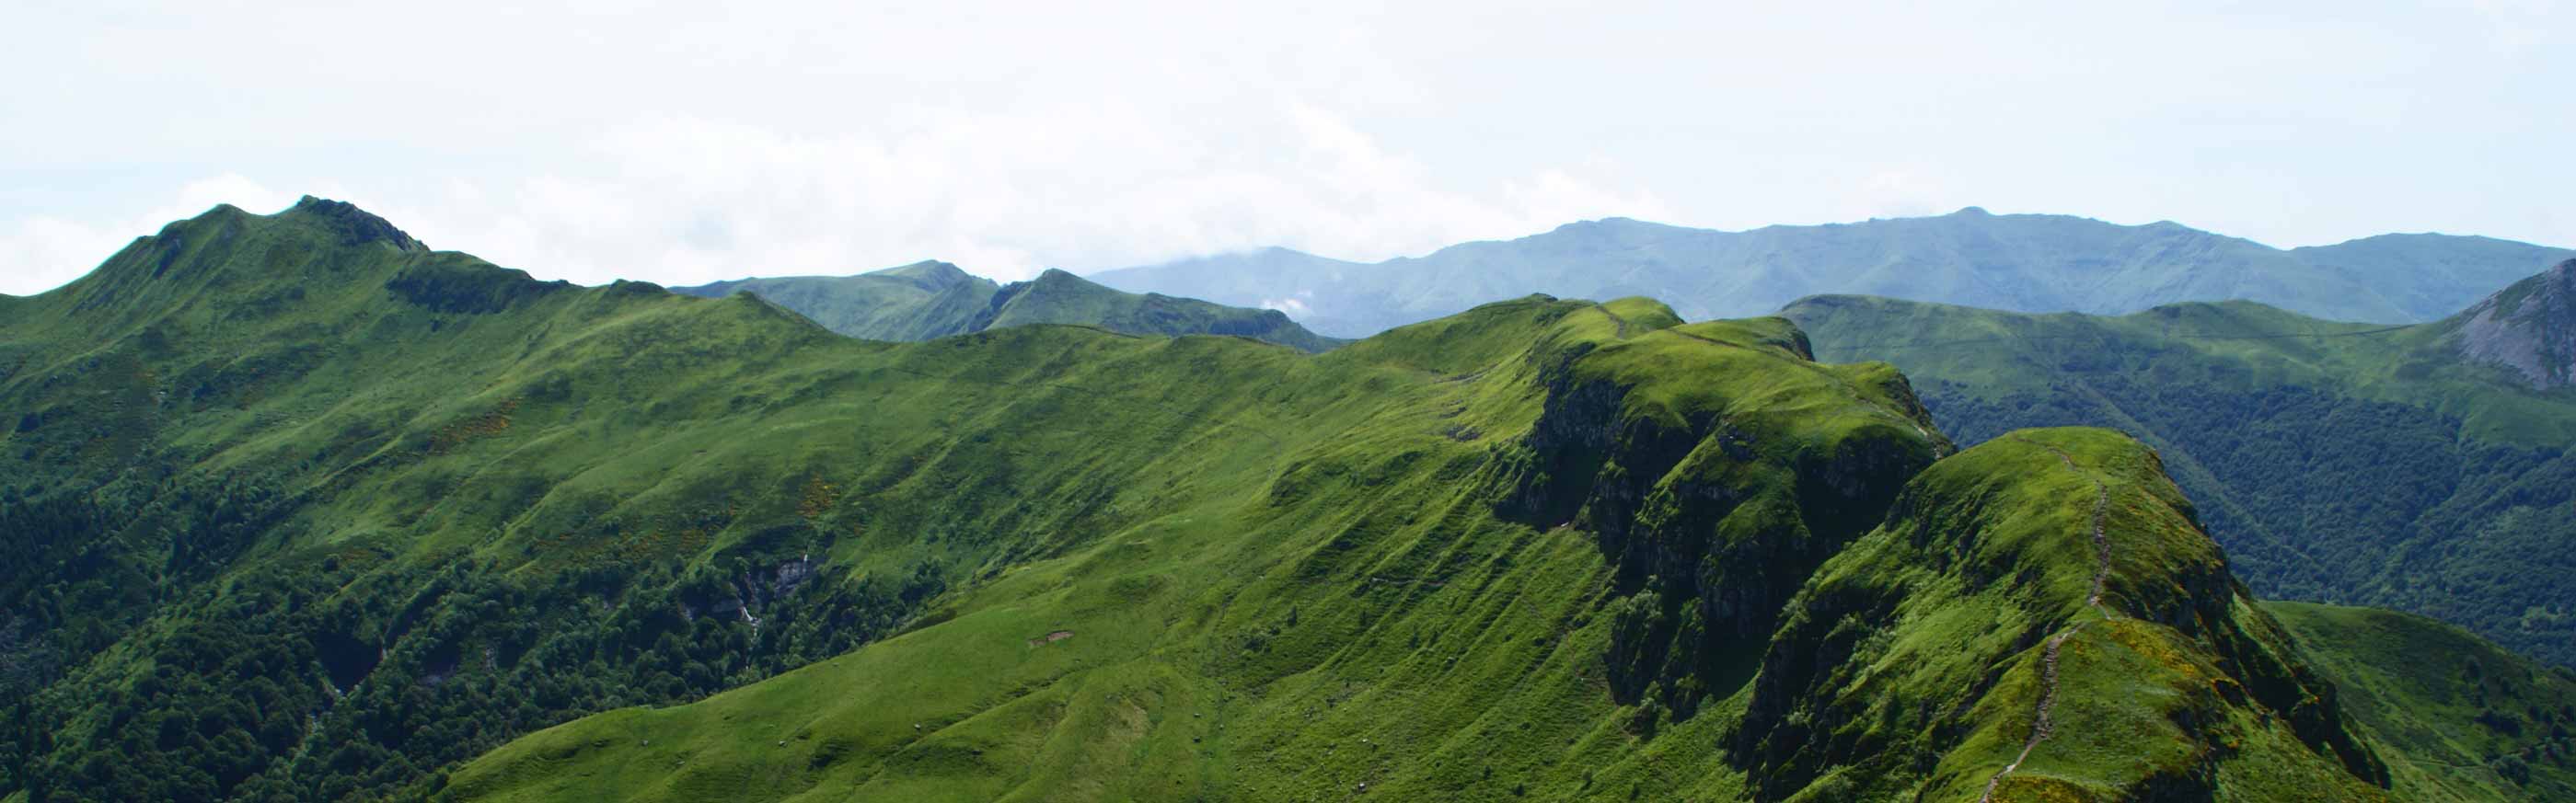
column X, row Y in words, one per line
column 2044, row 724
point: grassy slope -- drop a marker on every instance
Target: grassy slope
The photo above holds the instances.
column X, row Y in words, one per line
column 892, row 304
column 2452, row 706
column 1539, row 547
column 1059, row 297
column 2236, row 345
column 1205, row 665
column 1915, row 662
column 417, row 422
column 934, row 299
column 2272, row 421
column 1358, row 614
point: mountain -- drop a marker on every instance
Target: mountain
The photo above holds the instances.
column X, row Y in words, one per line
column 935, row 299
column 293, row 507
column 2529, row 327
column 2424, row 468
column 2430, row 276
column 2030, row 263
column 2036, row 619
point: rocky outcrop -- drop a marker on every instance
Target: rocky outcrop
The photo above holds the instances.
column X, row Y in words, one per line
column 2528, row 328
column 355, row 226
column 1711, row 519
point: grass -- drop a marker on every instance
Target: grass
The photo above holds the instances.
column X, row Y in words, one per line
column 1543, row 548
column 2340, row 463
column 2452, row 707
column 2236, row 345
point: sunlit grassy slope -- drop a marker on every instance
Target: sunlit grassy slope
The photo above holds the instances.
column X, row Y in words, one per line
column 935, row 299
column 299, row 509
column 1212, row 657
column 1356, row 613
column 430, row 502
column 2337, row 462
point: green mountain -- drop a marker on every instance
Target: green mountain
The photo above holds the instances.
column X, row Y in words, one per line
column 2028, row 263
column 2424, row 468
column 298, row 509
column 935, row 299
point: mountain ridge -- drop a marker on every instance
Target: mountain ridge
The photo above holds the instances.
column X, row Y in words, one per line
column 307, row 519
column 933, row 299
column 2270, row 418
column 2021, row 262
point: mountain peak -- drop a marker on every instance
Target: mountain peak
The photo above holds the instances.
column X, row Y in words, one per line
column 2529, row 327
column 354, row 225
column 929, row 274
column 1972, row 211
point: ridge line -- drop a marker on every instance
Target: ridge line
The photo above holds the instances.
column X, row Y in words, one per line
column 2044, row 725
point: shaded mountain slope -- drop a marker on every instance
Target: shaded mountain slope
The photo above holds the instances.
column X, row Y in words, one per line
column 2338, row 462
column 2033, row 263
column 935, row 299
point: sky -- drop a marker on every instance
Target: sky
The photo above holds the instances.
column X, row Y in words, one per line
column 689, row 142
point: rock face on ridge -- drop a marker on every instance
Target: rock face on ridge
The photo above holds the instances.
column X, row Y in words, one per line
column 2529, row 328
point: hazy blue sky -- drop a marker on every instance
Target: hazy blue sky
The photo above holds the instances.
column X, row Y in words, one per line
column 684, row 142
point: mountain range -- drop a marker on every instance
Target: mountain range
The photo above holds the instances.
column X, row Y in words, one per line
column 928, row 300
column 2023, row 263
column 2421, row 467
column 297, row 508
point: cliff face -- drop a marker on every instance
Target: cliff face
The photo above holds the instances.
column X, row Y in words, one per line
column 2529, row 328
column 1711, row 508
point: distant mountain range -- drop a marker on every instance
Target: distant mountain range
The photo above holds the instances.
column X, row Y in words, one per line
column 2022, row 263
column 2422, row 467
column 932, row 299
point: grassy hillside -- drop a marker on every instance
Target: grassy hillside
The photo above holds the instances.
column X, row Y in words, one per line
column 935, row 299
column 1185, row 662
column 298, row 509
column 2337, row 462
column 2029, row 263
column 2468, row 721
column 919, row 301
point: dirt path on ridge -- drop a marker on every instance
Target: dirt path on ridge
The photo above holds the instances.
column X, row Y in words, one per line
column 2045, row 723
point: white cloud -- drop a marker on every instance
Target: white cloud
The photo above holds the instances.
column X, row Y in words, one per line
column 40, row 252
column 686, row 200
column 1900, row 193
column 682, row 142
column 1293, row 306
column 683, row 200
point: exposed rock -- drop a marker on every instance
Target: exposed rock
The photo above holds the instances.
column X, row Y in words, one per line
column 2529, row 328
column 355, row 226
